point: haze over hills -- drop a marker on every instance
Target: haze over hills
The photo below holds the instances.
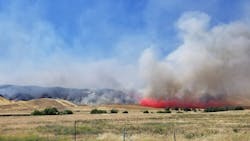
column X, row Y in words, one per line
column 77, row 96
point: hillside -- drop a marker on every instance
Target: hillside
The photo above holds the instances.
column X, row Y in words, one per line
column 77, row 96
column 4, row 101
column 28, row 106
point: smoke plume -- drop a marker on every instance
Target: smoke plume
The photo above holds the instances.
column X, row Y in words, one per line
column 211, row 66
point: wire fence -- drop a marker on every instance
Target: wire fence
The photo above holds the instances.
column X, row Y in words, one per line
column 126, row 129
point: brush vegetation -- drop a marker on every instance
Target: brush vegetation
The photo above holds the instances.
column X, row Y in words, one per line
column 125, row 112
column 219, row 109
column 51, row 111
column 96, row 111
column 114, row 111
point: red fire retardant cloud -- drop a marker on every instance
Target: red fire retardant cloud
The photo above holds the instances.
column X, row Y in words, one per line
column 150, row 102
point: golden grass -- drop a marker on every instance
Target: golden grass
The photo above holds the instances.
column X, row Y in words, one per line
column 4, row 101
column 21, row 107
column 187, row 126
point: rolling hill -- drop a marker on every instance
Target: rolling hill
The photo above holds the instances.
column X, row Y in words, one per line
column 4, row 101
column 7, row 106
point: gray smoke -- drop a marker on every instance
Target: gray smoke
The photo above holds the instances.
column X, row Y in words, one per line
column 211, row 61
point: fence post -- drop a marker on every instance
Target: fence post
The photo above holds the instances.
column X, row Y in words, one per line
column 75, row 129
column 124, row 134
column 174, row 136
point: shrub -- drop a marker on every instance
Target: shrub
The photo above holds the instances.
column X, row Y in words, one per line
column 167, row 111
column 217, row 109
column 235, row 130
column 125, row 112
column 187, row 109
column 67, row 112
column 176, row 109
column 146, row 112
column 51, row 111
column 96, row 111
column 210, row 109
column 113, row 111
column 238, row 108
column 37, row 112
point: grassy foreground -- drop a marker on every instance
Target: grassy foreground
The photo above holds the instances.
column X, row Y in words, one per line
column 135, row 126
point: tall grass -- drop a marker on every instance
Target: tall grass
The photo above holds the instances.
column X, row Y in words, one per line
column 29, row 138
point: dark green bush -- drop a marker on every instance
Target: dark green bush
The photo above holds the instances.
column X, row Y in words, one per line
column 125, row 112
column 96, row 111
column 210, row 109
column 146, row 112
column 67, row 112
column 235, row 130
column 186, row 109
column 165, row 111
column 238, row 108
column 114, row 111
column 51, row 111
column 37, row 112
column 176, row 109
column 218, row 109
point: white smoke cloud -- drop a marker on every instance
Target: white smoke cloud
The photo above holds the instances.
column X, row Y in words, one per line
column 211, row 60
column 32, row 52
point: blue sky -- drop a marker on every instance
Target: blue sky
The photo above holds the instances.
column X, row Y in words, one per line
column 46, row 35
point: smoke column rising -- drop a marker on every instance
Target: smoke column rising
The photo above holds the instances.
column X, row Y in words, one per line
column 211, row 67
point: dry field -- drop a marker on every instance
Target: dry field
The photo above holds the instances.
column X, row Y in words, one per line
column 135, row 126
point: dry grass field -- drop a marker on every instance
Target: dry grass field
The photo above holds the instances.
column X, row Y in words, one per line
column 135, row 125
